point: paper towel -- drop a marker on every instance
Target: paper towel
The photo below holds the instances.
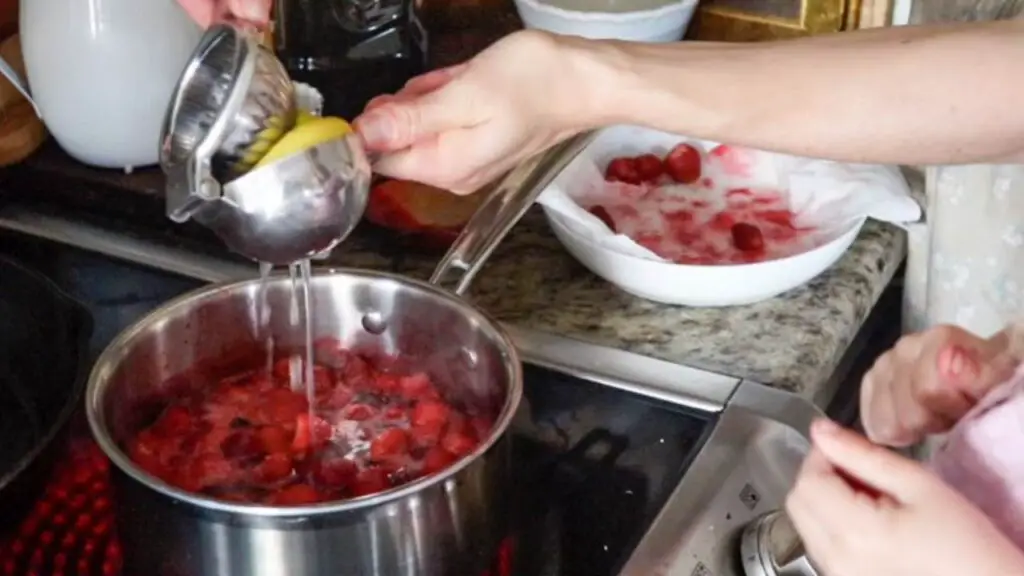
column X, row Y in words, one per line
column 823, row 194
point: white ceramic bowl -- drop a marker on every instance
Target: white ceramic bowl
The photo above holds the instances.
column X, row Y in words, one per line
column 705, row 286
column 665, row 23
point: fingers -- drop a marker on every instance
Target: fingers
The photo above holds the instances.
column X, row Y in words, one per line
column 200, row 11
column 255, row 12
column 399, row 123
column 418, row 86
column 925, row 384
column 429, row 161
column 865, row 463
column 427, row 105
column 823, row 510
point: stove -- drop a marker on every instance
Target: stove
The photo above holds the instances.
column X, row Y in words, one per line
column 626, row 465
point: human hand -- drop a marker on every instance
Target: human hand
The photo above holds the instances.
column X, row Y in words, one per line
column 461, row 127
column 929, row 380
column 246, row 13
column 861, row 509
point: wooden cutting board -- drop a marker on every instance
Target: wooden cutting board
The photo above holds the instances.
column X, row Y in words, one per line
column 10, row 51
column 21, row 133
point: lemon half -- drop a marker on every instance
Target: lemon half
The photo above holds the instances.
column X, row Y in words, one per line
column 307, row 133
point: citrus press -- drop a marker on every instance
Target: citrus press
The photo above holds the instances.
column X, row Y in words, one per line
column 233, row 101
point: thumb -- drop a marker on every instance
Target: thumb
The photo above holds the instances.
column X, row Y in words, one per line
column 400, row 123
column 870, row 465
column 255, row 12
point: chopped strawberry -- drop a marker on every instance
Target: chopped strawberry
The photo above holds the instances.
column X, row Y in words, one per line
column 243, row 444
column 295, row 495
column 274, row 468
column 437, row 459
column 370, row 481
column 359, row 412
column 311, row 432
column 335, row 473
column 276, row 440
column 174, row 421
column 602, row 214
column 458, row 443
column 389, row 444
column 426, row 436
column 747, row 237
column 430, row 412
column 417, row 386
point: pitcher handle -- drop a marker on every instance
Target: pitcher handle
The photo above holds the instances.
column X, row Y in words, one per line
column 507, row 201
column 19, row 83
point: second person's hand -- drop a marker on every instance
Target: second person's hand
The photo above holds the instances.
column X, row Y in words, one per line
column 461, row 127
column 862, row 510
column 929, row 380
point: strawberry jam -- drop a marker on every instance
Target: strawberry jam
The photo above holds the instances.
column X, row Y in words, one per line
column 250, row 437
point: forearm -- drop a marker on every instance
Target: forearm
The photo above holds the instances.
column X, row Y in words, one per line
column 898, row 95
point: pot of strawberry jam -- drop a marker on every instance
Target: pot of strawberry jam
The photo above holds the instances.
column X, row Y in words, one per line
column 394, row 462
column 387, row 456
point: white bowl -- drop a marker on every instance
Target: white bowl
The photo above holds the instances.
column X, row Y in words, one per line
column 705, row 286
column 665, row 23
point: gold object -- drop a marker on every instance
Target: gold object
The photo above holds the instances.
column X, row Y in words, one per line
column 753, row 20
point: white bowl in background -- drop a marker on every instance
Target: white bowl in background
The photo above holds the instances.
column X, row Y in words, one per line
column 694, row 285
column 665, row 23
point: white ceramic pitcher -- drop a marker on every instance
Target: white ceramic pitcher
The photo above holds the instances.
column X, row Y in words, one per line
column 101, row 73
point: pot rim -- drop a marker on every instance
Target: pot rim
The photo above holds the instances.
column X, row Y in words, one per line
column 113, row 352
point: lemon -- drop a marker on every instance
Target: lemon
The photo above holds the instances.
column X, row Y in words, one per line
column 303, row 117
column 305, row 135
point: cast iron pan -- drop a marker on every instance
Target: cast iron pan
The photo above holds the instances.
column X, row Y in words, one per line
column 44, row 347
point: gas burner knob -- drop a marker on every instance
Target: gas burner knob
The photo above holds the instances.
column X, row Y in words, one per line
column 770, row 546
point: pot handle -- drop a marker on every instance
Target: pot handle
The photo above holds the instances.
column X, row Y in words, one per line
column 507, row 201
column 14, row 78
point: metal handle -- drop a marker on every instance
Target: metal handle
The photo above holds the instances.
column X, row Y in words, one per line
column 507, row 200
column 14, row 78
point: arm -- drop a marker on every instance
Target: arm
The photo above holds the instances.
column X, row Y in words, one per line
column 908, row 95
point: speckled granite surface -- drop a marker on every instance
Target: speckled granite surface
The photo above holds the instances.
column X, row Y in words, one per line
column 792, row 342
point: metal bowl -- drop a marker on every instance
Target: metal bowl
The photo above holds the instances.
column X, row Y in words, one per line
column 296, row 207
column 449, row 524
column 233, row 94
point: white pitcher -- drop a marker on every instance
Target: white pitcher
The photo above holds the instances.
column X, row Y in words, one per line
column 101, row 73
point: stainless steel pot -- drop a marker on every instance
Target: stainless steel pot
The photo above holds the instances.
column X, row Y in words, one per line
column 449, row 524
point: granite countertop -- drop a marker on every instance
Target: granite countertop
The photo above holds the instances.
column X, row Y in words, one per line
column 794, row 341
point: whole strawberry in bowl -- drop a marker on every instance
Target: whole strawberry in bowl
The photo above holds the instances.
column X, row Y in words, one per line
column 430, row 217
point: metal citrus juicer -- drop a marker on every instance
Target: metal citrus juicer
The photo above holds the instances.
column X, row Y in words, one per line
column 233, row 101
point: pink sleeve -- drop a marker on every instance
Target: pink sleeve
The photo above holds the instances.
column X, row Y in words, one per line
column 983, row 457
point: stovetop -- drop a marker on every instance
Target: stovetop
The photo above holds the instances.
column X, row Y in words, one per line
column 595, row 465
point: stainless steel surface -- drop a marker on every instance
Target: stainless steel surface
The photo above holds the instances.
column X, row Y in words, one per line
column 233, row 93
column 19, row 83
column 650, row 377
column 448, row 524
column 770, row 546
column 507, row 200
column 745, row 469
column 295, row 208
